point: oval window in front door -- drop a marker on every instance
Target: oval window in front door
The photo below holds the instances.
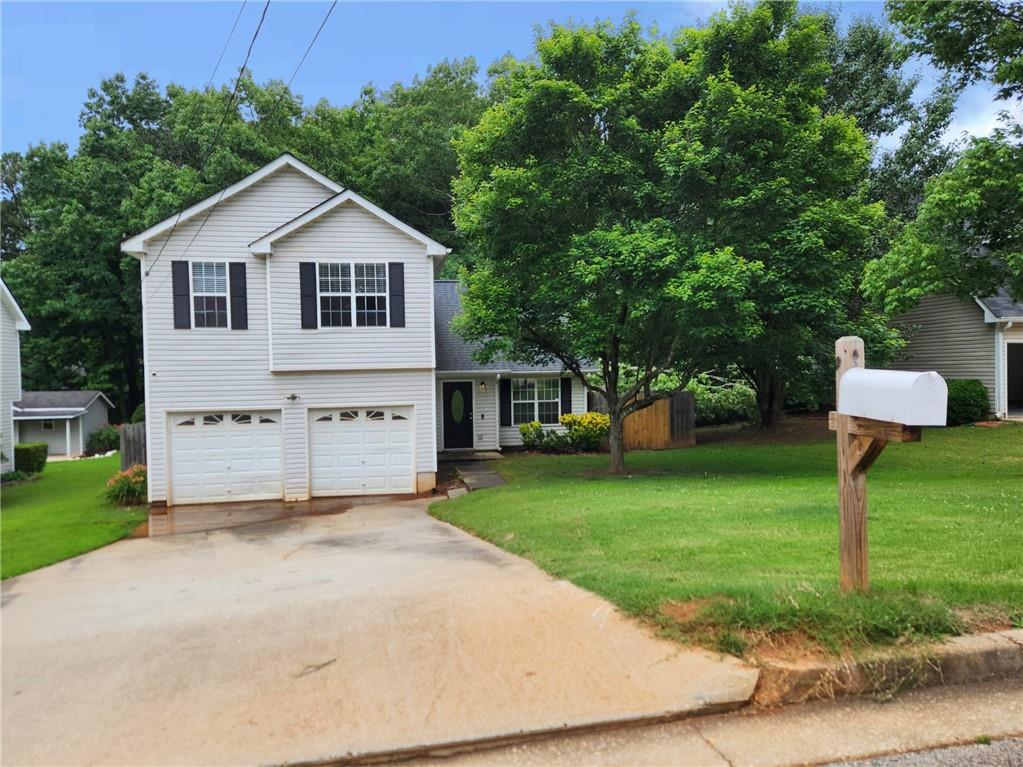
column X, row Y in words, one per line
column 457, row 406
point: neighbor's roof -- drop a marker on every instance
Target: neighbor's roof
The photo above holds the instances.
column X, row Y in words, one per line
column 136, row 245
column 455, row 354
column 55, row 404
column 7, row 298
column 1000, row 307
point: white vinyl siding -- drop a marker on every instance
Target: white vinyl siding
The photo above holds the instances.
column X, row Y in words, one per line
column 96, row 416
column 951, row 337
column 56, row 439
column 231, row 371
column 10, row 384
column 349, row 234
column 511, row 437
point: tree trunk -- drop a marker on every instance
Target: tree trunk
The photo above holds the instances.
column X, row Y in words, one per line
column 616, row 440
column 770, row 399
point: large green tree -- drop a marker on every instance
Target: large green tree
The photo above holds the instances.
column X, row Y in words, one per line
column 691, row 196
column 967, row 236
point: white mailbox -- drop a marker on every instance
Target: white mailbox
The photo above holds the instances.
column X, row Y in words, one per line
column 913, row 399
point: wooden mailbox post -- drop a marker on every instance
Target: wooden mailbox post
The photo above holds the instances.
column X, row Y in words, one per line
column 874, row 407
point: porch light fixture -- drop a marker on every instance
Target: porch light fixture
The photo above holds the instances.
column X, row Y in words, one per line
column 483, row 386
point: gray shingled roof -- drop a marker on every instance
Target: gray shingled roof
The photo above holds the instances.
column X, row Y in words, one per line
column 1003, row 307
column 454, row 354
column 53, row 400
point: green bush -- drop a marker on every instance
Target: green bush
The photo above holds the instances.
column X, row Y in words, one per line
column 719, row 401
column 128, row 487
column 138, row 415
column 586, row 430
column 967, row 401
column 30, row 457
column 103, row 440
column 535, row 437
column 12, row 476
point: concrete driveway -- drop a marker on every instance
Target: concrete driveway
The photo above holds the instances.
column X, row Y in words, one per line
column 311, row 639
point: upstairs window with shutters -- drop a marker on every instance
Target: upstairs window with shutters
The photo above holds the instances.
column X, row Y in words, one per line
column 335, row 287
column 371, row 295
column 209, row 294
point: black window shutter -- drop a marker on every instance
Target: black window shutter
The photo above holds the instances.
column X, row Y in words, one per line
column 396, row 293
column 566, row 395
column 307, row 287
column 239, row 297
column 504, row 389
column 182, row 297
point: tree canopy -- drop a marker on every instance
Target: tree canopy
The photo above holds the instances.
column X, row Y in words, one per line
column 967, row 236
column 657, row 205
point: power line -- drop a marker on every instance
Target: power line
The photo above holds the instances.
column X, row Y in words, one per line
column 269, row 117
column 226, row 44
column 216, row 136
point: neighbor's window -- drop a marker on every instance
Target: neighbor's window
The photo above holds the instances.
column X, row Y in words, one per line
column 47, row 425
column 209, row 293
column 371, row 295
column 335, row 295
column 536, row 399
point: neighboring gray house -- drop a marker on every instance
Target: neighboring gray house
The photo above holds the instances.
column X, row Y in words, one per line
column 12, row 323
column 62, row 419
column 981, row 338
column 290, row 349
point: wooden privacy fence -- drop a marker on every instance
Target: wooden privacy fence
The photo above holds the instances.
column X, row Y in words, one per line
column 668, row 423
column 133, row 445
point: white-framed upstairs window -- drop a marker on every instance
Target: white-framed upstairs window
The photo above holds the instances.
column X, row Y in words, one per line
column 352, row 294
column 209, row 294
column 536, row 399
column 371, row 295
column 335, row 290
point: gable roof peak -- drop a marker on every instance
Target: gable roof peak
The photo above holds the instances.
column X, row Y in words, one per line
column 136, row 246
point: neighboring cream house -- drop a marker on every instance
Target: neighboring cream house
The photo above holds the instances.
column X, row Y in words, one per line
column 290, row 350
column 12, row 323
column 980, row 339
column 62, row 419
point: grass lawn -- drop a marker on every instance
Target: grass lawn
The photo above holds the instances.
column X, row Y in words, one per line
column 61, row 514
column 735, row 544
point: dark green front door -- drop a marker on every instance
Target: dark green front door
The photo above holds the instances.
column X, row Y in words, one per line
column 457, row 414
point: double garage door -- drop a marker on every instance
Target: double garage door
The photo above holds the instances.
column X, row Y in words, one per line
column 239, row 455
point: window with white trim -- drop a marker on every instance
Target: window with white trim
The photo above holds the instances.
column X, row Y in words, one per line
column 536, row 399
column 209, row 294
column 371, row 295
column 352, row 294
column 47, row 425
column 335, row 295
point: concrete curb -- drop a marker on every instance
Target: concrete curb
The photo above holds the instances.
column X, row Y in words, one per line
column 962, row 659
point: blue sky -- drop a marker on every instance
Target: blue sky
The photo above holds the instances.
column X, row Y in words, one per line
column 53, row 52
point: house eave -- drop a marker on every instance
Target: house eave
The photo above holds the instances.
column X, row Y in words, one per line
column 136, row 246
column 264, row 245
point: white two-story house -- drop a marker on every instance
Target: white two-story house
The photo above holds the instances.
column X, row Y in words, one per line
column 291, row 350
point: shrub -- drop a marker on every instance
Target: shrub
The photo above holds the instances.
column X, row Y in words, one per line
column 103, row 440
column 12, row 476
column 586, row 430
column 719, row 401
column 535, row 437
column 967, row 401
column 128, row 487
column 138, row 415
column 30, row 457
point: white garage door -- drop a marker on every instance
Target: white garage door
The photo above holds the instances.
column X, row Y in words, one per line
column 361, row 451
column 228, row 456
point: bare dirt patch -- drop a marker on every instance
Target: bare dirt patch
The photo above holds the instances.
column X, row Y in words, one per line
column 788, row 646
column 688, row 611
column 802, row 427
column 981, row 619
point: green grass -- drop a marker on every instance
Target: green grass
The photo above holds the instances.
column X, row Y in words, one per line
column 61, row 514
column 754, row 528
